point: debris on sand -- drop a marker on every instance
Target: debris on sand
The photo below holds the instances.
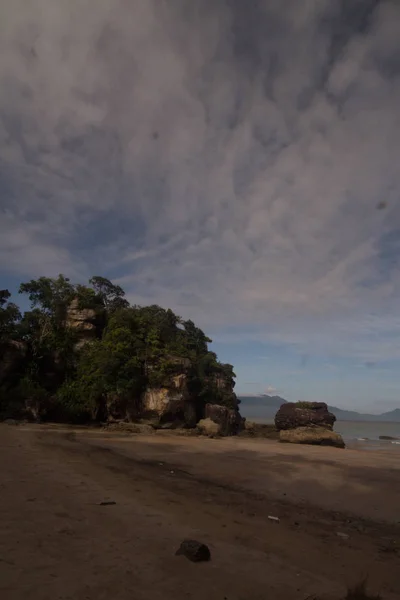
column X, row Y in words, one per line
column 194, row 551
column 275, row 519
column 359, row 592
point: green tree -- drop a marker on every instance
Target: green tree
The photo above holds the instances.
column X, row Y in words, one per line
column 196, row 340
column 9, row 316
column 112, row 296
column 51, row 296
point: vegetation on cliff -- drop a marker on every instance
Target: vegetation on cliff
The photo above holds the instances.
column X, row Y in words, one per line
column 80, row 345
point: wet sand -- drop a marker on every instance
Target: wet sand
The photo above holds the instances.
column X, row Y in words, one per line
column 58, row 542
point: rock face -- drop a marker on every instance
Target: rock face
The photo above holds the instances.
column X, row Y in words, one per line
column 170, row 404
column 83, row 321
column 229, row 419
column 313, row 435
column 292, row 415
column 225, row 386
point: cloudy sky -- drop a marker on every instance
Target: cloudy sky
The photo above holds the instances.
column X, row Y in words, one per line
column 224, row 158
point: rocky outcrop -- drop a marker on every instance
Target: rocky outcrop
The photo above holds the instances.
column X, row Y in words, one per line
column 313, row 435
column 302, row 414
column 119, row 407
column 224, row 386
column 171, row 403
column 162, row 405
column 229, row 420
column 82, row 321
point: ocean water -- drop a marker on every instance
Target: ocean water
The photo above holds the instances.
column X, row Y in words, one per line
column 362, row 431
column 363, row 434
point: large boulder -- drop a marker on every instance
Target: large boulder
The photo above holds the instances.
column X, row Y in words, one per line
column 320, row 436
column 229, row 419
column 302, row 414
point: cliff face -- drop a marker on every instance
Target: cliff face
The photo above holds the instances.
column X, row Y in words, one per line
column 83, row 321
column 174, row 405
column 170, row 405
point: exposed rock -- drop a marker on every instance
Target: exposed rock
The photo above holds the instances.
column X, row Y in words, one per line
column 387, row 437
column 83, row 321
column 209, row 427
column 229, row 420
column 172, row 402
column 224, row 385
column 293, row 415
column 173, row 406
column 194, row 551
column 163, row 405
column 119, row 407
column 320, row 436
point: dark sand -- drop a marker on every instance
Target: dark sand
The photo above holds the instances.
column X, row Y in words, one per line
column 57, row 542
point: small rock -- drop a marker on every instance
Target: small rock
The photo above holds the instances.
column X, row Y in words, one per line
column 10, row 422
column 194, row 551
column 343, row 536
column 107, row 503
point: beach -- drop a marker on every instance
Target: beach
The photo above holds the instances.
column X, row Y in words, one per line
column 338, row 511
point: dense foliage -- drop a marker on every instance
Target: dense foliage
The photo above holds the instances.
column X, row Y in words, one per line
column 55, row 368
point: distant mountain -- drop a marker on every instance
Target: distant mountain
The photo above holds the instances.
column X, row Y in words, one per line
column 265, row 407
column 393, row 415
column 260, row 407
column 264, row 400
column 350, row 415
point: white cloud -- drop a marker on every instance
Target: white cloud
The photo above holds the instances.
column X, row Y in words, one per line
column 222, row 159
column 271, row 390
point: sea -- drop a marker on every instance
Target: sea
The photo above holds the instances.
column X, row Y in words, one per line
column 362, row 434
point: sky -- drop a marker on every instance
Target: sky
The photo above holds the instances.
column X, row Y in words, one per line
column 234, row 161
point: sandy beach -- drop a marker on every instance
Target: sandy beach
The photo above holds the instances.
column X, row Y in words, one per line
column 338, row 510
